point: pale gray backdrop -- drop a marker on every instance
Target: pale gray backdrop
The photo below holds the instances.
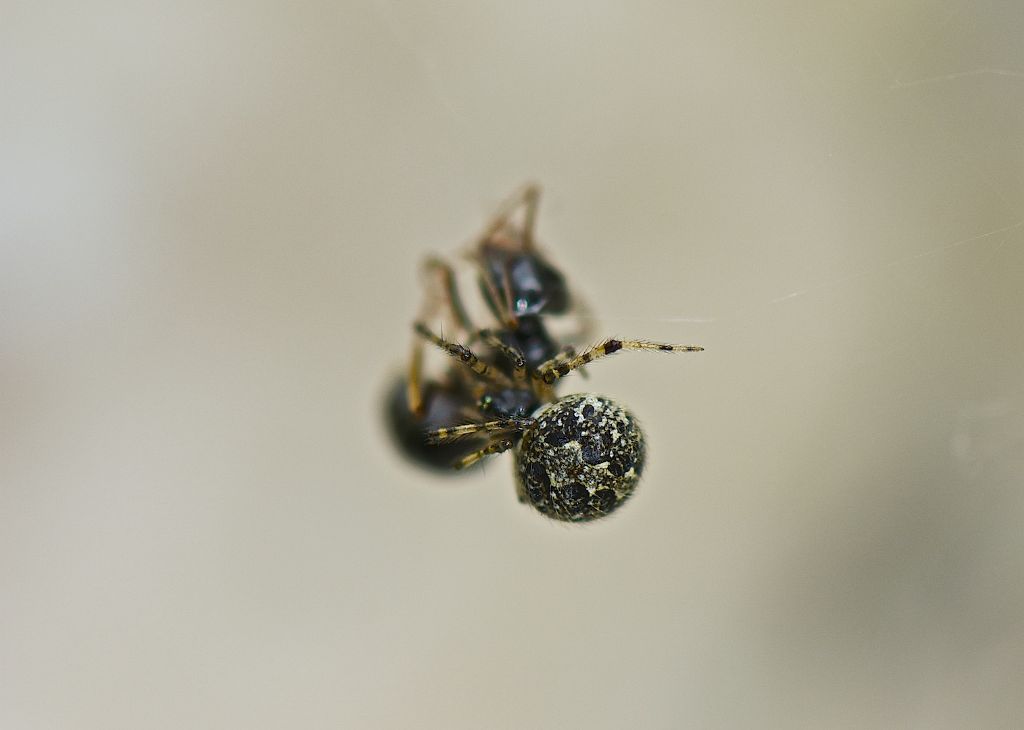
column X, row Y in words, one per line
column 211, row 217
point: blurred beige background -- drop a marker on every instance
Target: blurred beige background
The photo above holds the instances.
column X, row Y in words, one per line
column 212, row 217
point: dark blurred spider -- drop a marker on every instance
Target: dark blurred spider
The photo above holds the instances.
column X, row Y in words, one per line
column 578, row 457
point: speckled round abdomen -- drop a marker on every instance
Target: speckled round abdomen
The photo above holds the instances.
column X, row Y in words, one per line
column 581, row 460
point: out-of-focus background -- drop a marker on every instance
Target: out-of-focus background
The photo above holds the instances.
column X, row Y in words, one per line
column 212, row 217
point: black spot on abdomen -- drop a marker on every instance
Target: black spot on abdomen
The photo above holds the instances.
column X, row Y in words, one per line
column 593, row 451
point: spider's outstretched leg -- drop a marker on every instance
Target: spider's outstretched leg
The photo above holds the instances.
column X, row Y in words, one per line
column 464, row 355
column 552, row 370
column 495, row 447
column 443, row 435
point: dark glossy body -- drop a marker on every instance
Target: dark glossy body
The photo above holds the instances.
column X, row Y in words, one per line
column 523, row 281
column 532, row 288
column 443, row 407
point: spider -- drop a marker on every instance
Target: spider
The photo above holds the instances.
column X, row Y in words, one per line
column 578, row 457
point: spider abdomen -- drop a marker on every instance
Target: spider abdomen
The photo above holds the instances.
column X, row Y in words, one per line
column 581, row 460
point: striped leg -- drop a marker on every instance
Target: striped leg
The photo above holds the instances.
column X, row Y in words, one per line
column 566, row 355
column 495, row 447
column 514, row 356
column 444, row 435
column 464, row 355
column 552, row 370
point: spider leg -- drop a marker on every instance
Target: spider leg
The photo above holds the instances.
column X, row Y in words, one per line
column 567, row 353
column 494, row 447
column 440, row 291
column 514, row 355
column 464, row 355
column 552, row 370
column 443, row 435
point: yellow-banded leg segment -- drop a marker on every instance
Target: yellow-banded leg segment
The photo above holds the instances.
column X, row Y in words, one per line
column 444, row 435
column 567, row 353
column 495, row 447
column 464, row 355
column 489, row 337
column 552, row 370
